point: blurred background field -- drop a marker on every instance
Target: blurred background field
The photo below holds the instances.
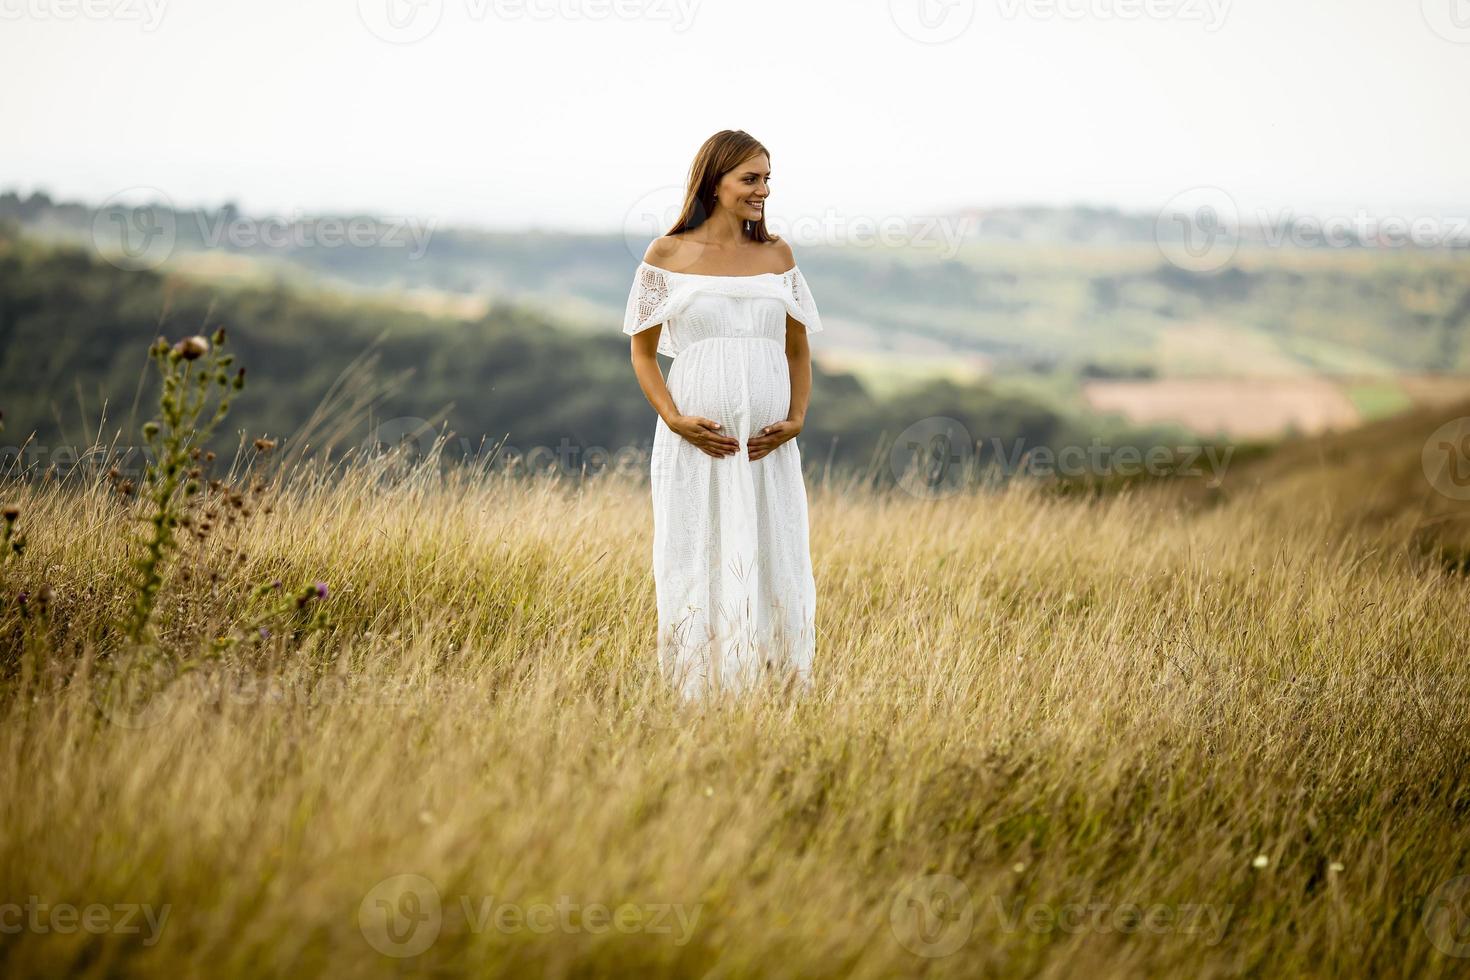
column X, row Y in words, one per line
column 1084, row 327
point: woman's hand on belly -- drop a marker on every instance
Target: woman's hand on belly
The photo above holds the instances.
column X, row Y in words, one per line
column 771, row 437
column 705, row 433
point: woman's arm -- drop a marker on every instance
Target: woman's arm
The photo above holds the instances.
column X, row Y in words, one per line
column 799, row 360
column 650, row 377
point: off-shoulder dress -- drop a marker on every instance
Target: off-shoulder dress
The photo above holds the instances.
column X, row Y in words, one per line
column 731, row 559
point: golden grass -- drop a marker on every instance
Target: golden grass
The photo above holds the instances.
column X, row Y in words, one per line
column 1070, row 708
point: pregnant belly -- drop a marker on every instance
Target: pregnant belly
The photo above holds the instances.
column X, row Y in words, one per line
column 743, row 384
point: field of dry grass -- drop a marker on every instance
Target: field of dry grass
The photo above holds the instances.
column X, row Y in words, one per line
column 1115, row 737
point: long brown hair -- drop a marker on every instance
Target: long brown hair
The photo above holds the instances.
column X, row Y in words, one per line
column 719, row 155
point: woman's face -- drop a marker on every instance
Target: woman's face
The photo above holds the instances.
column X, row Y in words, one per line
column 744, row 190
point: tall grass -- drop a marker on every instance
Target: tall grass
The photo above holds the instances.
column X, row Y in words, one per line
column 1031, row 715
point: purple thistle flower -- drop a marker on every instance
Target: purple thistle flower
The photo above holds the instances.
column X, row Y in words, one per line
column 321, row 590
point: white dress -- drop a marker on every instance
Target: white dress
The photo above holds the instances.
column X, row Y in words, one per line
column 731, row 561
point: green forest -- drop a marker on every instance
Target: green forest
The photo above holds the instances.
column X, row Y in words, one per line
column 328, row 371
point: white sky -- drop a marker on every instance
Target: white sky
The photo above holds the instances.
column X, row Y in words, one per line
column 508, row 120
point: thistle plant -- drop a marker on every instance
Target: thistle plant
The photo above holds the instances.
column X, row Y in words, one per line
column 287, row 613
column 191, row 371
column 12, row 542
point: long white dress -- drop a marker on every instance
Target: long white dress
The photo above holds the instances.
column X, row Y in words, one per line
column 731, row 559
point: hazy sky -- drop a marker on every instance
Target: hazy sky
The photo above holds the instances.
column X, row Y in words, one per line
column 538, row 112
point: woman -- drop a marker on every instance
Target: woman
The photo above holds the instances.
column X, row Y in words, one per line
column 724, row 298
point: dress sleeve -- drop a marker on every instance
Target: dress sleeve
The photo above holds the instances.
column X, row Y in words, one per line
column 648, row 301
column 799, row 301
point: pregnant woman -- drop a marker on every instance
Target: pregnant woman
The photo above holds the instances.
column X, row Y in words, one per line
column 724, row 298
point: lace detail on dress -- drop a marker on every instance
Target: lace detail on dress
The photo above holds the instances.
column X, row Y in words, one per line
column 650, row 296
column 650, row 304
column 799, row 301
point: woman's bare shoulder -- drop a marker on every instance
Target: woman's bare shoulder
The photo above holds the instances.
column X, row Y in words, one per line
column 781, row 252
column 664, row 251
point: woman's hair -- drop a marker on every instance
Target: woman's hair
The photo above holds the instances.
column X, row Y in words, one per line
column 719, row 155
